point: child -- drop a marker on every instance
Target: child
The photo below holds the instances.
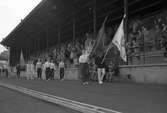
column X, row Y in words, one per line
column 52, row 70
column 61, row 67
column 110, row 73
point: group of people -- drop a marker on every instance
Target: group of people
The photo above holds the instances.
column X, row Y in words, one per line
column 99, row 69
column 44, row 70
column 148, row 35
column 4, row 70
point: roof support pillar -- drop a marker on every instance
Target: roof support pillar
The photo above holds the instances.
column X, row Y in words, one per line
column 94, row 20
column 38, row 44
column 126, row 21
column 47, row 39
column 59, row 37
column 73, row 28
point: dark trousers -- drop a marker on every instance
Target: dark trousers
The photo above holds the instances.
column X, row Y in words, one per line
column 18, row 73
column 51, row 74
column 61, row 73
column 84, row 72
column 6, row 71
column 47, row 73
column 39, row 72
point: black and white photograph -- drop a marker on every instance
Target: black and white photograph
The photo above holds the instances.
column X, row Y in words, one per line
column 83, row 56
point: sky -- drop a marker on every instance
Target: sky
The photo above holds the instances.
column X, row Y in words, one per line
column 12, row 11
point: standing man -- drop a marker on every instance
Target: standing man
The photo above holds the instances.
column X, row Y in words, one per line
column 100, row 69
column 52, row 70
column 6, row 70
column 47, row 69
column 18, row 70
column 83, row 60
column 61, row 67
column 39, row 68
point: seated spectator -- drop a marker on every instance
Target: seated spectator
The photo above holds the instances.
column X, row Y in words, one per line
column 93, row 71
column 110, row 72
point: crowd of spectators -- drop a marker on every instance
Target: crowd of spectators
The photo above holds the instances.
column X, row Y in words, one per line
column 147, row 36
column 69, row 51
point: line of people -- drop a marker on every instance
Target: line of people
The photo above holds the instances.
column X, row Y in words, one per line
column 4, row 70
column 45, row 71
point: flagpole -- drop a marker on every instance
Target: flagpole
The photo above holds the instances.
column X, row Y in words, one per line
column 94, row 19
column 59, row 36
column 94, row 45
column 110, row 45
column 73, row 28
column 126, row 24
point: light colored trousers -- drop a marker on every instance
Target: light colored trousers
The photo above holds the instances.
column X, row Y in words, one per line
column 101, row 73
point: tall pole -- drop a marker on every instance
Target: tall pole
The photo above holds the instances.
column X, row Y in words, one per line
column 73, row 29
column 47, row 39
column 59, row 36
column 126, row 23
column 94, row 19
column 35, row 47
column 39, row 45
column 143, row 49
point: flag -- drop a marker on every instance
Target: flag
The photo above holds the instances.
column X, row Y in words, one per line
column 99, row 47
column 119, row 41
column 22, row 62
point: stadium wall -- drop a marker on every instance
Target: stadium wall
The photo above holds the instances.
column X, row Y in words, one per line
column 148, row 73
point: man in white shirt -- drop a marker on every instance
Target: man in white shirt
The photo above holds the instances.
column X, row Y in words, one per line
column 39, row 68
column 47, row 68
column 83, row 60
column 6, row 70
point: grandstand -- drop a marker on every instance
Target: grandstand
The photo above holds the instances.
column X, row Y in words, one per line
column 55, row 26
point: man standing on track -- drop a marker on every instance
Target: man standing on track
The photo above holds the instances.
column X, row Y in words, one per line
column 52, row 70
column 100, row 69
column 18, row 67
column 83, row 60
column 39, row 68
column 47, row 69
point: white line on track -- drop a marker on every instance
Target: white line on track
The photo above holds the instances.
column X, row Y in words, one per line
column 81, row 107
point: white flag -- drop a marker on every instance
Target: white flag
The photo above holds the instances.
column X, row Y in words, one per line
column 119, row 41
column 22, row 62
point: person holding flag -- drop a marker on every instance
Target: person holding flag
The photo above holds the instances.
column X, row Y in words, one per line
column 100, row 47
column 99, row 50
column 83, row 60
column 119, row 42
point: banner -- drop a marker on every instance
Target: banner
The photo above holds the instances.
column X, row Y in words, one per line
column 119, row 40
column 99, row 47
column 22, row 62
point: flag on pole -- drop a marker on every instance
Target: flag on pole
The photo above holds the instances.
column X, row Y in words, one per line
column 22, row 62
column 99, row 48
column 119, row 41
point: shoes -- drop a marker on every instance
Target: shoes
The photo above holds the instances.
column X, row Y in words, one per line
column 85, row 83
column 100, row 82
column 61, row 79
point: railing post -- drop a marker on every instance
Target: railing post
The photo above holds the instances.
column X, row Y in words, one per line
column 126, row 25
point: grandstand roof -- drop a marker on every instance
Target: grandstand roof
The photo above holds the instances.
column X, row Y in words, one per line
column 42, row 23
